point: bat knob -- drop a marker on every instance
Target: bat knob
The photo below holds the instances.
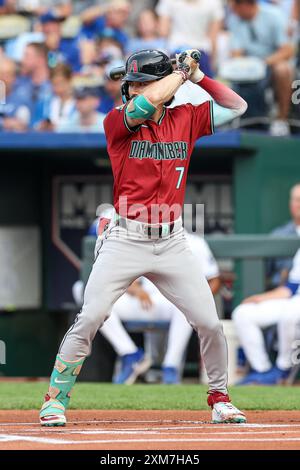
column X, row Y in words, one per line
column 196, row 55
column 117, row 72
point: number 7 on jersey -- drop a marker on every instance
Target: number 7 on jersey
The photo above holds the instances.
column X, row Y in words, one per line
column 181, row 170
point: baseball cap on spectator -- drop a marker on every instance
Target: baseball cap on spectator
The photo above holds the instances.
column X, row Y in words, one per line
column 85, row 91
column 50, row 17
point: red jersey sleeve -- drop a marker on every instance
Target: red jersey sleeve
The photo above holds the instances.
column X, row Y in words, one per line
column 201, row 119
column 116, row 128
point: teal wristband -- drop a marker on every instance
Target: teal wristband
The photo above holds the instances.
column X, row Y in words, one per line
column 142, row 108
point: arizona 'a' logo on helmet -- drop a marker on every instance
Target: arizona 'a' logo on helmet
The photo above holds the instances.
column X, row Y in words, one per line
column 133, row 67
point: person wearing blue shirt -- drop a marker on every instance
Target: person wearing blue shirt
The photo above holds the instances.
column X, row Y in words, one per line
column 61, row 105
column 60, row 50
column 260, row 30
column 108, row 19
column 147, row 34
column 86, row 118
column 15, row 108
column 35, row 81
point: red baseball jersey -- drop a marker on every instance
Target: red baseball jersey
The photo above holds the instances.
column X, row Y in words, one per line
column 150, row 162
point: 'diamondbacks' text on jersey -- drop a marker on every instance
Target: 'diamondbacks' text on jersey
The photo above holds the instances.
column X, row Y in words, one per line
column 150, row 163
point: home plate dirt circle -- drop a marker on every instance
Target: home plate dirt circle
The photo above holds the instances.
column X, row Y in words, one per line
column 150, row 430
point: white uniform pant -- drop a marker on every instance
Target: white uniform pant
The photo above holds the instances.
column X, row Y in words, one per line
column 251, row 319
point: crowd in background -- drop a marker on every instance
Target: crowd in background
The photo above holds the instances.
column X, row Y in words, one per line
column 55, row 56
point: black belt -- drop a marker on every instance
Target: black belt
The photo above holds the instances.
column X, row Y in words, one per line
column 149, row 230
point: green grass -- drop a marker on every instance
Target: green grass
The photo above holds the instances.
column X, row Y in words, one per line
column 102, row 396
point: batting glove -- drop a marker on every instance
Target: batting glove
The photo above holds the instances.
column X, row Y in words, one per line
column 188, row 61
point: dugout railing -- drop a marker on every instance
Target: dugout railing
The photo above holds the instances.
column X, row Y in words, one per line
column 250, row 250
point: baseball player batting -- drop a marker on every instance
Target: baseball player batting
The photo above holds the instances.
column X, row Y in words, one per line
column 150, row 147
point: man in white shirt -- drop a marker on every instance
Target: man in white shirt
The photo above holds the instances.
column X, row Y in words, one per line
column 196, row 23
column 281, row 307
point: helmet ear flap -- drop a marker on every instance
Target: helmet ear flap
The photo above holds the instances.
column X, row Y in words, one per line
column 125, row 92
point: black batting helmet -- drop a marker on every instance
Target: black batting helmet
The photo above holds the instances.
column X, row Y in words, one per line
column 145, row 66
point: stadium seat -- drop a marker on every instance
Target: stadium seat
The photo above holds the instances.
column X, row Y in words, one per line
column 71, row 27
column 12, row 26
column 250, row 79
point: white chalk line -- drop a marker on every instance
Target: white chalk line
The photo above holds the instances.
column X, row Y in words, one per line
column 40, row 440
column 184, row 431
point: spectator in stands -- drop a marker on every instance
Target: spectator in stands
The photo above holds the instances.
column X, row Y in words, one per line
column 147, row 34
column 106, row 18
column 86, row 117
column 98, row 54
column 195, row 24
column 60, row 50
column 46, row 32
column 7, row 7
column 112, row 90
column 62, row 105
column 15, row 111
column 289, row 10
column 35, row 81
column 261, row 311
column 108, row 48
column 3, row 7
column 101, row 52
column 136, row 7
column 80, row 5
column 278, row 269
column 15, row 48
column 259, row 30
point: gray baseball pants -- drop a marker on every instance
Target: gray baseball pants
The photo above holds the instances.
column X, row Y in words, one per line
column 125, row 255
